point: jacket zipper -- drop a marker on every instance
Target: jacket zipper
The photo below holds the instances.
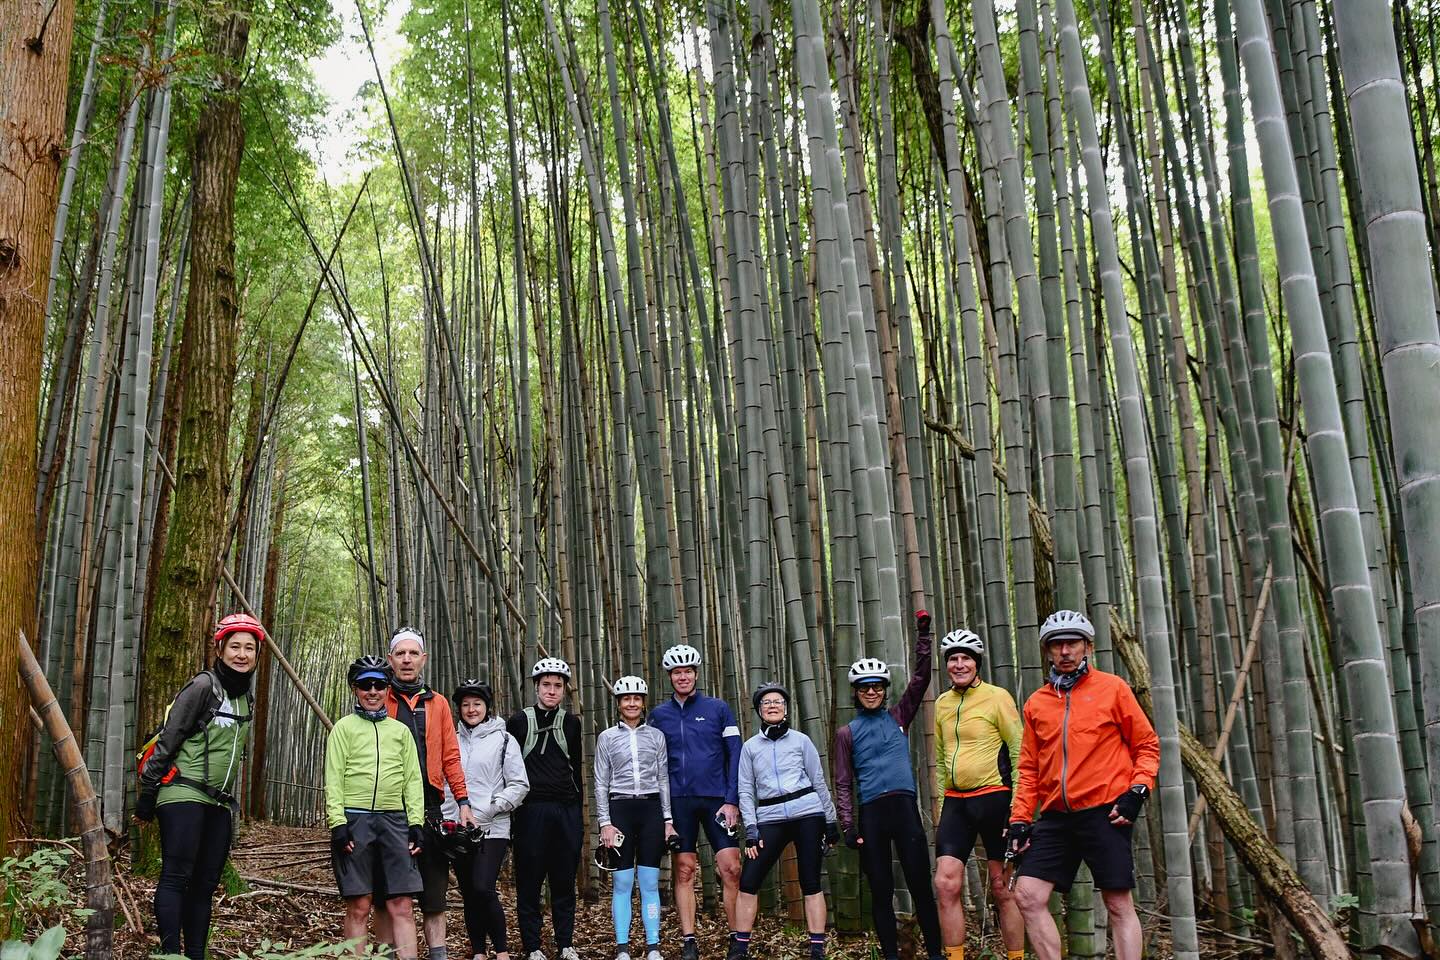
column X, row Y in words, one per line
column 1065, row 753
column 956, row 752
column 375, row 794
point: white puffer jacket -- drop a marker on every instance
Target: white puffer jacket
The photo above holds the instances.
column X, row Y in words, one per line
column 494, row 775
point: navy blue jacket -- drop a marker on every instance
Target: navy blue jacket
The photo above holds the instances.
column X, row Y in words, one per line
column 703, row 741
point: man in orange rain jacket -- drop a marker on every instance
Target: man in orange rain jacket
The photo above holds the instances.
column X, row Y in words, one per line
column 1088, row 760
column 428, row 716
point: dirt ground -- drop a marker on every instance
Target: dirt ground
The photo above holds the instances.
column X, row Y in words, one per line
column 289, row 896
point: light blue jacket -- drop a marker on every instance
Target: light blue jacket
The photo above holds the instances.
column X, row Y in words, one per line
column 773, row 768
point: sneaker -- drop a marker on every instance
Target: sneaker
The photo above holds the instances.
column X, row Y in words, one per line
column 623, row 955
column 737, row 950
column 689, row 949
column 654, row 954
column 537, row 955
column 567, row 954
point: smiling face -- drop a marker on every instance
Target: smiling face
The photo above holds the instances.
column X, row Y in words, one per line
column 772, row 708
column 472, row 709
column 549, row 689
column 1065, row 653
column 631, row 706
column 407, row 660
column 870, row 694
column 240, row 651
column 962, row 668
column 682, row 680
column 370, row 694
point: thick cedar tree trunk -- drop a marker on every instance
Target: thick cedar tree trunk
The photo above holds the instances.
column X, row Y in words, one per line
column 34, row 74
column 180, row 620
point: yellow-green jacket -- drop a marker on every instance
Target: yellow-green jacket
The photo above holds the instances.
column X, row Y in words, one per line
column 977, row 740
column 371, row 767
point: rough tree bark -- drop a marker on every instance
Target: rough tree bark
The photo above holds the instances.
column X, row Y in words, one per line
column 186, row 579
column 34, row 75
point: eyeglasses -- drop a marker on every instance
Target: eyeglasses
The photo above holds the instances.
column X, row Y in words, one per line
column 371, row 685
column 772, row 703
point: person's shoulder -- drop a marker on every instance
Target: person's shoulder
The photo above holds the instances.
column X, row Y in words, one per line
column 998, row 694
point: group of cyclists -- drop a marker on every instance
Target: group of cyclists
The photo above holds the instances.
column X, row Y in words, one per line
column 415, row 790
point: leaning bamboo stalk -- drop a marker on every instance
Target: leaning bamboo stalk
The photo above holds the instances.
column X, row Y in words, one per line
column 99, row 894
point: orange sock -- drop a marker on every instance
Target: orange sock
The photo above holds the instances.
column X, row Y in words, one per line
column 1015, row 955
column 955, row 953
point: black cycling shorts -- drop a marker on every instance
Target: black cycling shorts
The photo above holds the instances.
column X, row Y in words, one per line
column 1060, row 840
column 693, row 814
column 380, row 864
column 642, row 821
column 806, row 833
column 962, row 819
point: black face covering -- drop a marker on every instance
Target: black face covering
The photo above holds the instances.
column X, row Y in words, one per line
column 414, row 686
column 234, row 682
column 775, row 730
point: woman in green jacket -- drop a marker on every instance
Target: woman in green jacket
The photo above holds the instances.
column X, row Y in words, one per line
column 189, row 779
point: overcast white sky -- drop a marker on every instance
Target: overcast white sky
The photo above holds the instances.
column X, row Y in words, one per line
column 342, row 70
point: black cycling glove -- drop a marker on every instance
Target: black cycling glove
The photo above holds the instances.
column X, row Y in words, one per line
column 1131, row 801
column 339, row 838
column 1017, row 835
column 417, row 836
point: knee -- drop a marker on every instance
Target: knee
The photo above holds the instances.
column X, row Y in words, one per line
column 357, row 908
column 729, row 870
column 649, row 878
column 949, row 883
column 999, row 889
column 686, row 866
column 1119, row 903
column 400, row 908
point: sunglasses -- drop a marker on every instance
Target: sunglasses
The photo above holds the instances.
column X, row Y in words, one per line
column 870, row 687
column 371, row 685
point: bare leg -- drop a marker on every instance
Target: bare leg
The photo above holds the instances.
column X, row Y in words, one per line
column 949, row 893
column 435, row 929
column 1124, row 924
column 1032, row 895
column 727, row 864
column 746, row 905
column 686, row 865
column 357, row 912
column 1012, row 924
column 815, row 913
column 383, row 931
column 402, row 924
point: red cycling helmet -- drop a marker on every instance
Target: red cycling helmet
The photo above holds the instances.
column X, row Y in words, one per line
column 237, row 623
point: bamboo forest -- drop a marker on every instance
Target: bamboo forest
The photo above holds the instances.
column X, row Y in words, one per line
column 583, row 329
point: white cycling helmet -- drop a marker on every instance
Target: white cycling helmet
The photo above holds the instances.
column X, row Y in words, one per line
column 680, row 655
column 869, row 670
column 630, row 684
column 1066, row 623
column 962, row 641
column 550, row 665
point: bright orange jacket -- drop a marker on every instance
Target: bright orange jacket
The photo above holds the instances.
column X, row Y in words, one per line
column 442, row 747
column 1083, row 748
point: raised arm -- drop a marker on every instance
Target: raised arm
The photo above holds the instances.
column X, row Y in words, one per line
column 914, row 695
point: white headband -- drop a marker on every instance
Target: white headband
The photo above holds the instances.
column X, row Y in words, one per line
column 404, row 635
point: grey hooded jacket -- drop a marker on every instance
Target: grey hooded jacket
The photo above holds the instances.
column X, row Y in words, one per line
column 777, row 768
column 630, row 762
column 494, row 776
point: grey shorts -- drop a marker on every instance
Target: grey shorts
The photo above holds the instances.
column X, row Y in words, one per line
column 381, row 857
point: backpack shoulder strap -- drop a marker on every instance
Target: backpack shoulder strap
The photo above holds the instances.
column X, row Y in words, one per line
column 532, row 734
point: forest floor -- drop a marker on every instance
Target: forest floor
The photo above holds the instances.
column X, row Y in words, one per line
column 282, row 891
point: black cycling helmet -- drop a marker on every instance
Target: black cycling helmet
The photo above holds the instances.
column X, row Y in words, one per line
column 765, row 688
column 474, row 688
column 368, row 666
column 607, row 858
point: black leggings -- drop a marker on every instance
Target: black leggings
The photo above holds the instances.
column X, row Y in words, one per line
column 642, row 821
column 893, row 820
column 476, row 874
column 194, row 842
column 806, row 833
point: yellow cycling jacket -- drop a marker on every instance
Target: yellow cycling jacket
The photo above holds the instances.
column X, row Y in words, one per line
column 977, row 740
